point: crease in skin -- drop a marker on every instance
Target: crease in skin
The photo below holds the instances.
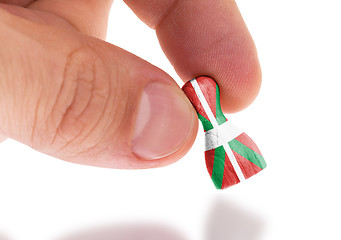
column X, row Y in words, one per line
column 23, row 20
column 21, row 3
column 83, row 115
column 34, row 126
column 88, row 17
column 167, row 13
column 45, row 17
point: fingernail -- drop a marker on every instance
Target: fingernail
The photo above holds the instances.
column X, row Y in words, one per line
column 164, row 121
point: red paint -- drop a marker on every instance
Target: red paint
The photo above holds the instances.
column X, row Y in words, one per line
column 247, row 141
column 248, row 168
column 230, row 177
column 190, row 93
column 209, row 158
column 208, row 88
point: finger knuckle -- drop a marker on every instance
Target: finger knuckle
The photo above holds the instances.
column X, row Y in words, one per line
column 82, row 99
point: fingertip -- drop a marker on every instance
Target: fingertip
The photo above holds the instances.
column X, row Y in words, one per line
column 183, row 150
column 164, row 120
column 239, row 77
column 211, row 39
column 239, row 91
column 140, row 163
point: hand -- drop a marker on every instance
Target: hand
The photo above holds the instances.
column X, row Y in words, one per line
column 66, row 93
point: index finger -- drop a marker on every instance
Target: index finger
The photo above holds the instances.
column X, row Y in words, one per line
column 203, row 37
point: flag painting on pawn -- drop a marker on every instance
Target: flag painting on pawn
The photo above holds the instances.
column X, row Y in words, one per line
column 231, row 155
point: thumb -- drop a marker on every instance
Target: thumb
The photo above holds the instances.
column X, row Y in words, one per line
column 83, row 100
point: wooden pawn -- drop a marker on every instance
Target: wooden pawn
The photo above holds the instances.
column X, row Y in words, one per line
column 231, row 155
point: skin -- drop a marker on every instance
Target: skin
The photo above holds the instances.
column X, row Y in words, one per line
column 199, row 38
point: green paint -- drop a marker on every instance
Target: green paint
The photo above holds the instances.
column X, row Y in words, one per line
column 218, row 167
column 207, row 125
column 247, row 153
column 219, row 113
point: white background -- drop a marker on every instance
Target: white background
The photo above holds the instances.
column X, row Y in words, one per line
column 295, row 121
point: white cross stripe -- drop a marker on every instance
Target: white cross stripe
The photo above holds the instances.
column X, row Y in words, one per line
column 216, row 137
column 204, row 103
column 233, row 161
column 216, row 126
